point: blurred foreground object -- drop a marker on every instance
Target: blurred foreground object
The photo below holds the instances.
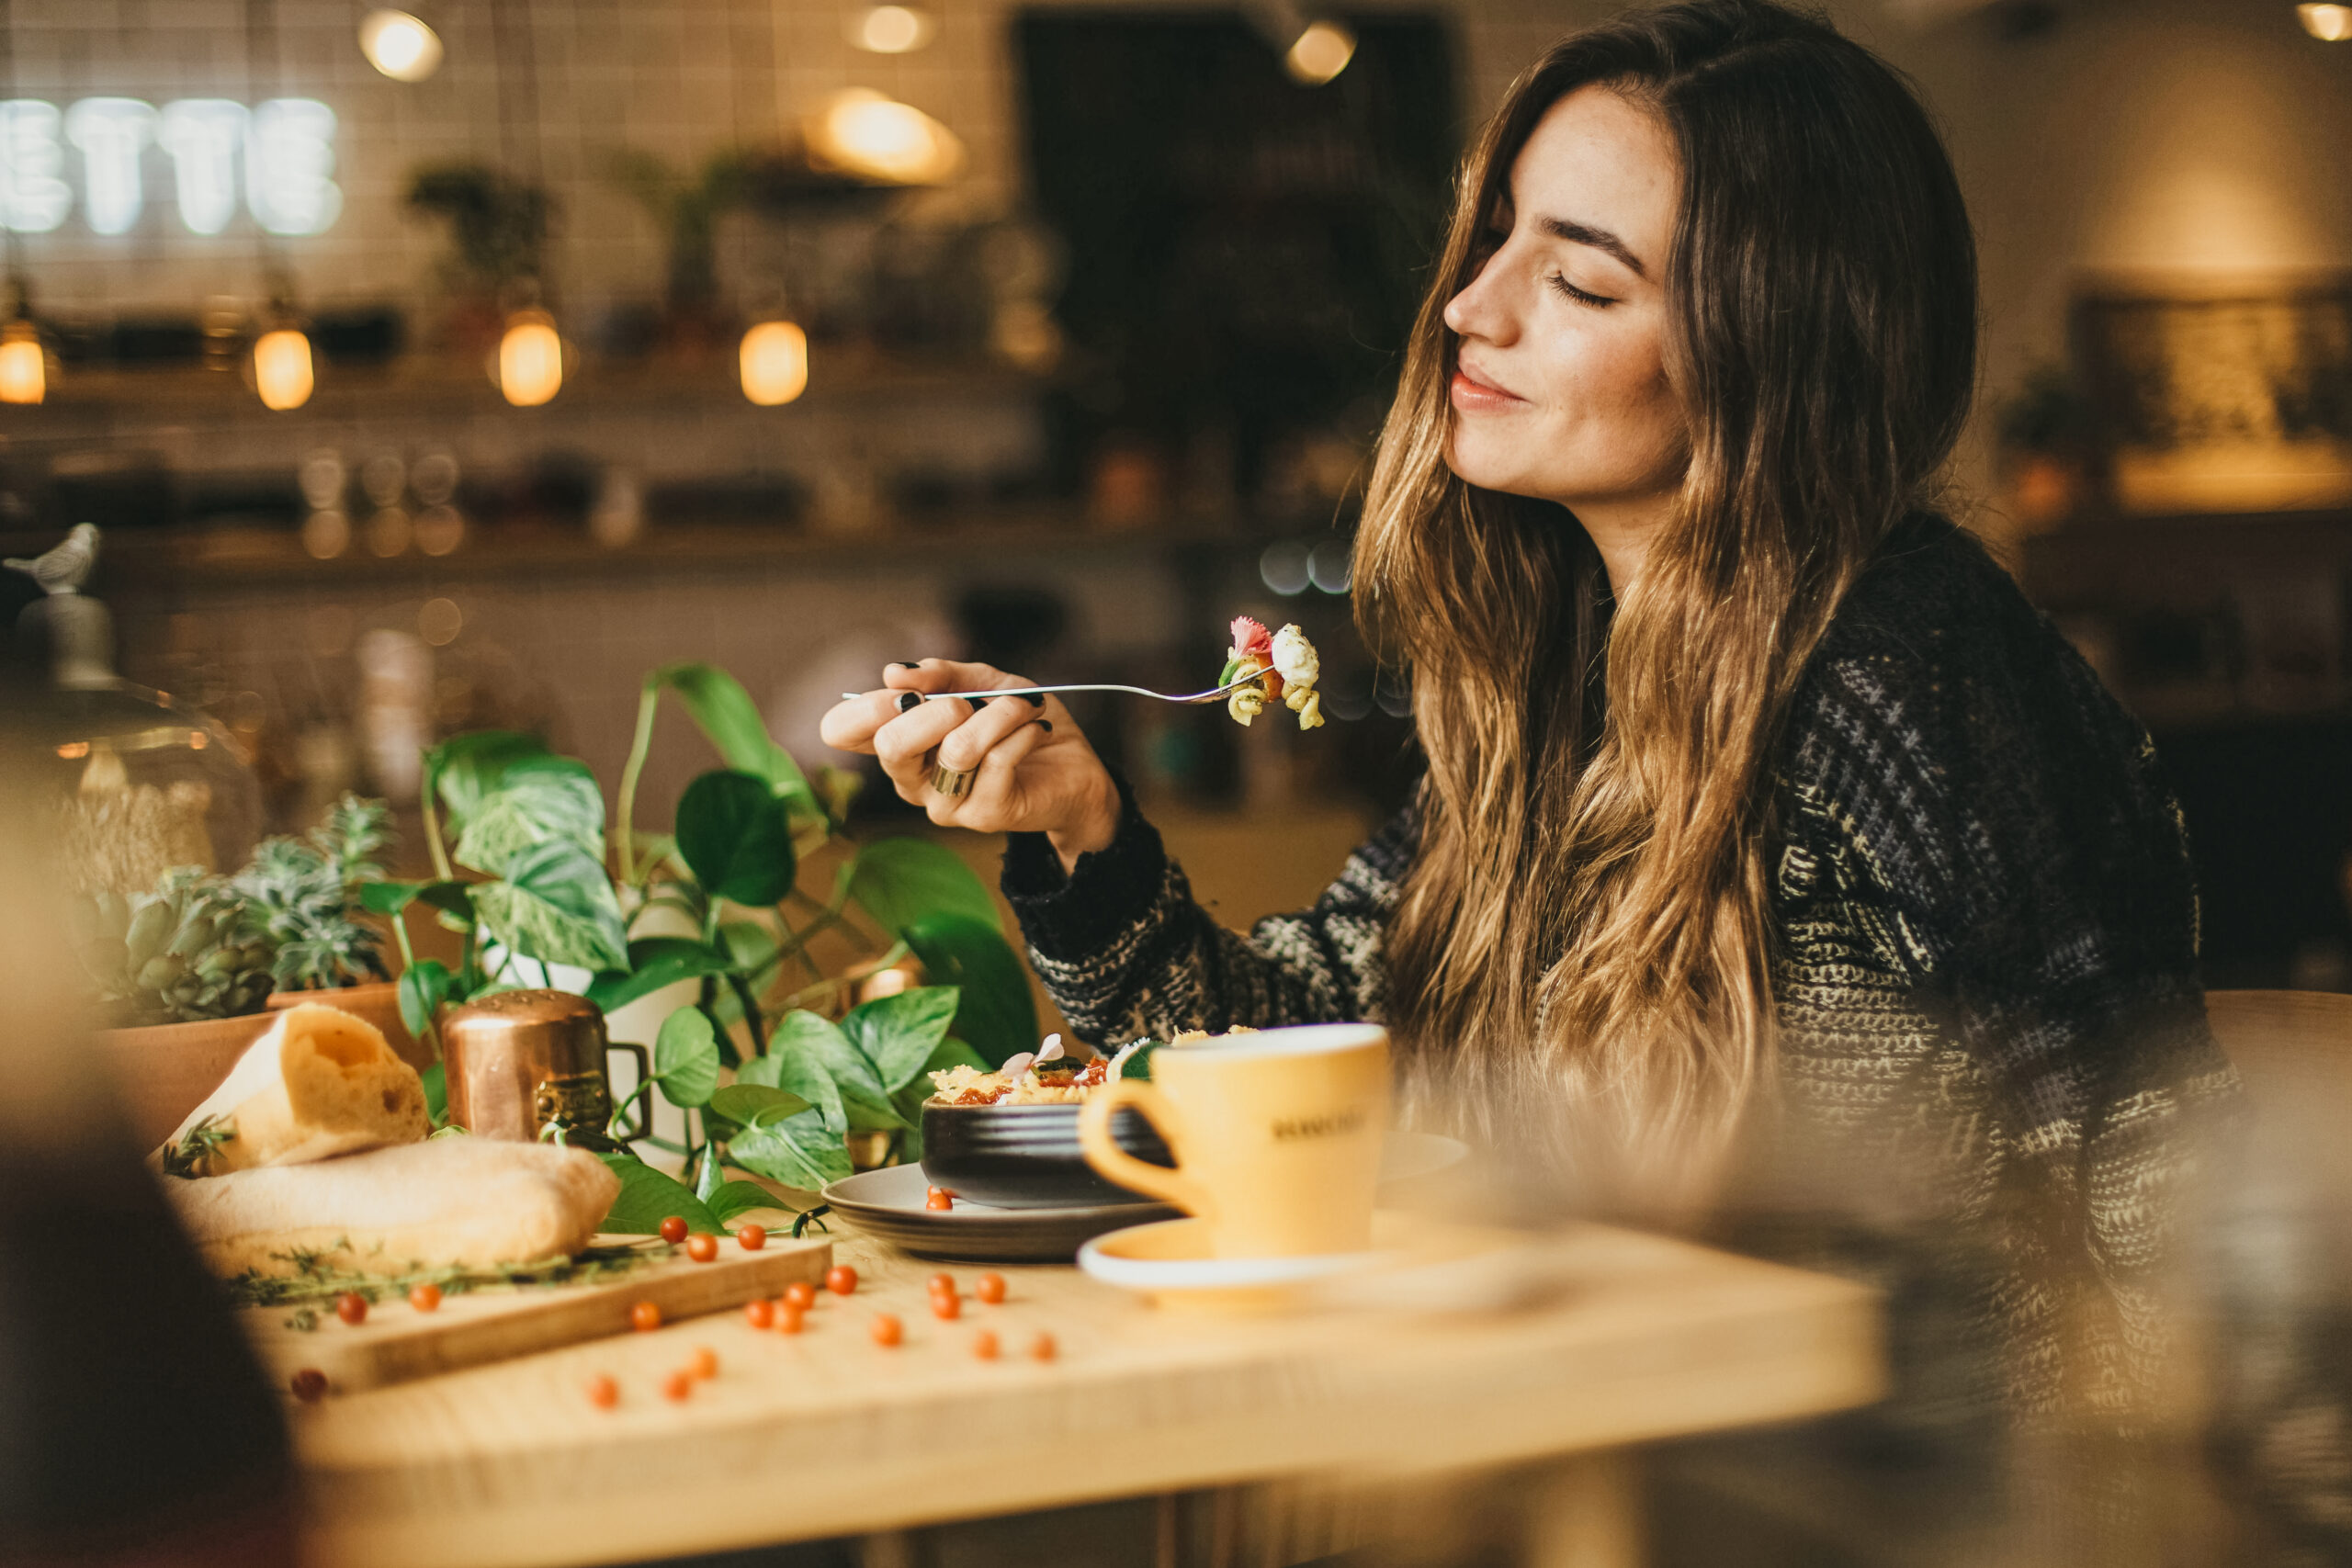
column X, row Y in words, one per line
column 2330, row 24
column 134, row 1424
column 400, row 45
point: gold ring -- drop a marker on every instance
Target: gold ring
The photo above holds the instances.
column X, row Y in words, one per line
column 953, row 783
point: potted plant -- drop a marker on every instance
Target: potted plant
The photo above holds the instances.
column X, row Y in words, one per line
column 756, row 904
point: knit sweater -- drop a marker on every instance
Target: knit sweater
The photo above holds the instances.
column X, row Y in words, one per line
column 1984, row 969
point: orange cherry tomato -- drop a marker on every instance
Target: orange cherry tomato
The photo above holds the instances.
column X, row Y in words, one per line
column 678, row 1386
column 674, row 1229
column 801, row 1295
column 750, row 1238
column 759, row 1314
column 939, row 1198
column 939, row 1283
column 352, row 1307
column 946, row 1304
column 984, row 1344
column 886, row 1329
column 425, row 1298
column 788, row 1319
column 840, row 1278
column 310, row 1385
column 645, row 1317
column 1042, row 1348
column 705, row 1362
column 702, row 1248
column 991, row 1289
column 603, row 1392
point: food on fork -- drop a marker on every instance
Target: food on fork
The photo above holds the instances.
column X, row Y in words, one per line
column 1281, row 667
column 1047, row 1076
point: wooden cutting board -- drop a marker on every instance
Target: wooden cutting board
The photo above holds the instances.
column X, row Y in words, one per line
column 397, row 1342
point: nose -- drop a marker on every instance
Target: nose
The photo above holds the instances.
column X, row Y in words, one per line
column 1482, row 311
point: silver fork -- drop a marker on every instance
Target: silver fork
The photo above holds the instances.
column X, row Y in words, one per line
column 1195, row 698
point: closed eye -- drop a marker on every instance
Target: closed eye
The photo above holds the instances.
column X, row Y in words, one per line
column 1597, row 301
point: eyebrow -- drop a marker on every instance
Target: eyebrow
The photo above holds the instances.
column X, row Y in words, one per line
column 1598, row 239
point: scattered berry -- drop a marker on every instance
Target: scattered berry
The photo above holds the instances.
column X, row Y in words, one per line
column 310, row 1385
column 787, row 1319
column 938, row 1283
column 991, row 1289
column 759, row 1314
column 939, row 1198
column 674, row 1229
column 678, row 1386
column 603, row 1392
column 702, row 1248
column 645, row 1317
column 886, row 1329
column 840, row 1278
column 1042, row 1348
column 946, row 1305
column 800, row 1293
column 352, row 1307
column 750, row 1238
column 425, row 1298
column 984, row 1344
column 704, row 1363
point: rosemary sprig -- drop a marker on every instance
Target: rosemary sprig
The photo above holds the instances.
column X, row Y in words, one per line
column 317, row 1279
column 203, row 1140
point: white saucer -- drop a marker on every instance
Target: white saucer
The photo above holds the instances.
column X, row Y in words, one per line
column 1169, row 1262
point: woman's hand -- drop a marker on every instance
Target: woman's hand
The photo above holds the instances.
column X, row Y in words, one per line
column 1033, row 772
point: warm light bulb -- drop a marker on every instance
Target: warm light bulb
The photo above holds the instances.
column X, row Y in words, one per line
column 775, row 363
column 891, row 29
column 530, row 359
column 862, row 131
column 2331, row 23
column 24, row 367
column 1321, row 52
column 400, row 46
column 282, row 368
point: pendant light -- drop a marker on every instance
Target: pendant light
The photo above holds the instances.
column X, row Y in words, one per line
column 775, row 363
column 400, row 45
column 282, row 370
column 24, row 360
column 284, row 373
column 528, row 367
column 2329, row 24
column 531, row 359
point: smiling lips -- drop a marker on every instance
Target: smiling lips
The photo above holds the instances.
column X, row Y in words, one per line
column 1473, row 395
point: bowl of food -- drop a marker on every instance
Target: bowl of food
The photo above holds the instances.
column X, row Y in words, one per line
column 1009, row 1139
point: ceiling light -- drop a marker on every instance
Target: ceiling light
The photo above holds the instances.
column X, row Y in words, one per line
column 282, row 372
column 775, row 363
column 891, row 29
column 23, row 364
column 400, row 46
column 2331, row 23
column 530, row 359
column 1321, row 52
column 862, row 132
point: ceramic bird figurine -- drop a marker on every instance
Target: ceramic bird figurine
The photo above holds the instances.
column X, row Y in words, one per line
column 66, row 567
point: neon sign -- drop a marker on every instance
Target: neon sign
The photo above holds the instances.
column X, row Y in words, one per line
column 286, row 147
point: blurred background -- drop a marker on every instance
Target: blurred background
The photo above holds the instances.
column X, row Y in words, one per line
column 448, row 369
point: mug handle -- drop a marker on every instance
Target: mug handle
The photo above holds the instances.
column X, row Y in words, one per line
column 1104, row 1153
column 643, row 1099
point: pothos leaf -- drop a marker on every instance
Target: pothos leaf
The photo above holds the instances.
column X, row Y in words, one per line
column 899, row 881
column 996, row 1012
column 556, row 906
column 899, row 1034
column 536, row 799
column 424, row 987
column 755, row 1104
column 737, row 838
column 655, row 962
column 797, row 1072
column 648, row 1197
column 685, row 1058
column 735, row 1198
column 798, row 1151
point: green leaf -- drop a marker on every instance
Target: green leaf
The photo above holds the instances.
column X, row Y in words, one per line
column 536, row 799
column 423, row 988
column 735, row 1198
column 753, row 1104
column 1138, row 1066
column 796, row 1072
column 685, row 1058
column 798, row 1151
column 899, row 1034
column 726, row 714
column 389, row 898
column 865, row 1101
column 706, row 1184
column 951, row 1053
column 737, row 838
column 464, row 768
column 556, row 906
column 655, row 962
column 752, row 945
column 648, row 1198
column 436, row 1094
column 997, row 1013
column 899, row 881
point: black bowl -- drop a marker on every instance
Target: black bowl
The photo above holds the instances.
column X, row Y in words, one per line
column 1026, row 1156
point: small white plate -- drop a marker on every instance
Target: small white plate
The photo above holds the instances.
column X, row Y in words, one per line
column 1169, row 1262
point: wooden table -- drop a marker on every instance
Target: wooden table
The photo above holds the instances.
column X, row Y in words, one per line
column 829, row 1434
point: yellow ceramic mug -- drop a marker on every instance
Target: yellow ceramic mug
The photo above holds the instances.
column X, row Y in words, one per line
column 1277, row 1135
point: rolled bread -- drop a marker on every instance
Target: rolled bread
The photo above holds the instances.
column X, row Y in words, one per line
column 450, row 1201
column 319, row 1084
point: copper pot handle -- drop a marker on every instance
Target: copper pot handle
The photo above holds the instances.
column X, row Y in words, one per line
column 643, row 1099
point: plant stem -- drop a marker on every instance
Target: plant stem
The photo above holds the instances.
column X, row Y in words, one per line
column 742, row 989
column 432, row 827
column 639, row 746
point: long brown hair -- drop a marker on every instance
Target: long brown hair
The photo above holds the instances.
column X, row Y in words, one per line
column 1585, row 925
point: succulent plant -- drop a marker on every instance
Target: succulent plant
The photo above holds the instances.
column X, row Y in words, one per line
column 186, row 951
column 302, row 894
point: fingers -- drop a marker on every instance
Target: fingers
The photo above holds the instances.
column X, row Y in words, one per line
column 904, row 744
column 977, row 735
column 849, row 724
column 992, row 801
column 949, row 675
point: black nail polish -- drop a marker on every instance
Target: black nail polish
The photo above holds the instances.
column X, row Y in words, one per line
column 1046, row 725
column 906, row 664
column 975, row 703
column 1037, row 700
column 909, row 701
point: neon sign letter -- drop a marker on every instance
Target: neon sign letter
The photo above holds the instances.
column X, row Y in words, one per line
column 203, row 135
column 111, row 132
column 33, row 194
column 289, row 154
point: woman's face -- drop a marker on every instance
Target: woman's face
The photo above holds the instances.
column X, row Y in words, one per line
column 1560, row 389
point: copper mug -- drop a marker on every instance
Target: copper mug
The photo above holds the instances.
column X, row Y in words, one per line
column 521, row 1063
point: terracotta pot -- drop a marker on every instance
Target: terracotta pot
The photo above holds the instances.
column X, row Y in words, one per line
column 379, row 1003
column 163, row 1071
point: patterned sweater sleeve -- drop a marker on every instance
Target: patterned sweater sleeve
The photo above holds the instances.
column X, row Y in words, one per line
column 1124, row 950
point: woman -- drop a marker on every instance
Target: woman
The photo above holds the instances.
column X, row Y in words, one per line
column 1766, row 829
